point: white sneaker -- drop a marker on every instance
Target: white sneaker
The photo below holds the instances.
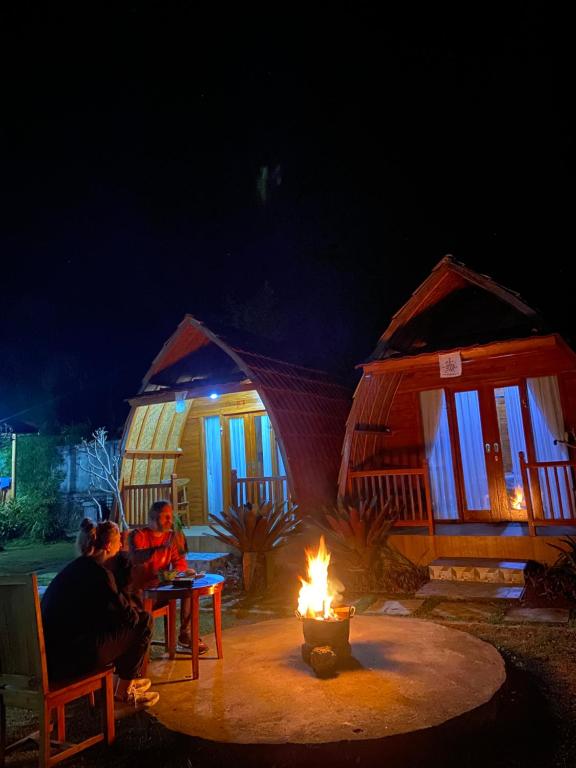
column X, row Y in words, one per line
column 140, row 684
column 143, row 700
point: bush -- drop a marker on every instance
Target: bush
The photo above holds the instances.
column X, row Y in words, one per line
column 34, row 515
column 358, row 533
column 11, row 521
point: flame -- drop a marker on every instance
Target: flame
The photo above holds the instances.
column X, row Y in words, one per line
column 517, row 501
column 315, row 598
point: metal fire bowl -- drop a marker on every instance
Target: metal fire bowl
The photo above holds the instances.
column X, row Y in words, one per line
column 328, row 633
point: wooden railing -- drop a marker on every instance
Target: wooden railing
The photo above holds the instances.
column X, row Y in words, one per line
column 258, row 490
column 405, row 490
column 549, row 492
column 137, row 499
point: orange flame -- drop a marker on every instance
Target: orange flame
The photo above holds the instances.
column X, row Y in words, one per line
column 315, row 598
column 517, row 501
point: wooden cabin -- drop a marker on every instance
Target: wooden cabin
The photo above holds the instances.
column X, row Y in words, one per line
column 219, row 420
column 464, row 423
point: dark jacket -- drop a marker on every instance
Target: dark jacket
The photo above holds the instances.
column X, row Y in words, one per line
column 79, row 607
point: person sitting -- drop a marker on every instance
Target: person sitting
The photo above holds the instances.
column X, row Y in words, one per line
column 88, row 624
column 158, row 548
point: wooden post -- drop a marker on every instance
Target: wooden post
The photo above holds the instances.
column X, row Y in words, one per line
column 12, row 490
column 174, row 491
column 233, row 485
column 527, row 494
column 428, row 497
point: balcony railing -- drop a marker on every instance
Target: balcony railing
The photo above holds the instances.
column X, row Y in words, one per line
column 549, row 492
column 405, row 490
column 137, row 499
column 259, row 490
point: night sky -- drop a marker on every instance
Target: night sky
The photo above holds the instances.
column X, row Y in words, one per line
column 301, row 182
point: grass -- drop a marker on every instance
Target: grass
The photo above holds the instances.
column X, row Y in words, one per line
column 26, row 556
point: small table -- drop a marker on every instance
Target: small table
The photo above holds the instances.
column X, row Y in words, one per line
column 209, row 585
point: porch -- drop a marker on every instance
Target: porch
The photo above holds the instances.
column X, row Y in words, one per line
column 137, row 499
column 538, row 518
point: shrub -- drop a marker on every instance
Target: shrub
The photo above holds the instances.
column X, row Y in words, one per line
column 358, row 534
column 33, row 515
column 256, row 528
column 11, row 521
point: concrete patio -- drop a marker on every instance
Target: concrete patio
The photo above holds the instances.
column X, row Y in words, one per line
column 407, row 675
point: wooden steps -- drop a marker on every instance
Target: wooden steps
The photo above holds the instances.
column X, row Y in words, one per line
column 466, row 578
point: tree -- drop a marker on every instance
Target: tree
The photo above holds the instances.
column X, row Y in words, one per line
column 104, row 464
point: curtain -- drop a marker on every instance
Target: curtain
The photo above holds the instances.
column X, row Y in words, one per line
column 548, row 425
column 213, row 446
column 472, row 450
column 238, row 454
column 515, row 430
column 439, row 454
column 266, row 437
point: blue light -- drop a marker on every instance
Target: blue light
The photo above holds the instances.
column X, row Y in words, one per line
column 213, row 396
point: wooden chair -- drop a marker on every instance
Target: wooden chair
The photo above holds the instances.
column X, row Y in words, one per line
column 24, row 678
column 182, row 505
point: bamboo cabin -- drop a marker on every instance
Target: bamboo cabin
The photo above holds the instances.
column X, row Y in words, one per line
column 464, row 423
column 220, row 421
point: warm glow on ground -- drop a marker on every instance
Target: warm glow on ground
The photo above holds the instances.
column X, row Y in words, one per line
column 315, row 598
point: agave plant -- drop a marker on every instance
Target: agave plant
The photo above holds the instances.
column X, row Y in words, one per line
column 255, row 530
column 567, row 557
column 358, row 532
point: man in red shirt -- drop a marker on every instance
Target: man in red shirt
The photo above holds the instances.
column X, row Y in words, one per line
column 159, row 548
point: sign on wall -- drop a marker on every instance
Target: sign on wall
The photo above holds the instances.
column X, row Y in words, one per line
column 450, row 365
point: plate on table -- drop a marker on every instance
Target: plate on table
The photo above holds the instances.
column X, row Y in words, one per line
column 183, row 582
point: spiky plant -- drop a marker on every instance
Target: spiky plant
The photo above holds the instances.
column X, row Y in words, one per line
column 256, row 528
column 358, row 532
column 567, row 557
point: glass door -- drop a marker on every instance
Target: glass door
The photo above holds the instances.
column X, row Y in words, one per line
column 473, row 456
column 511, row 441
column 252, row 459
column 490, row 432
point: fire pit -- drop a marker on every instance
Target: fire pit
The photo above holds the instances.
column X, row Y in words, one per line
column 326, row 629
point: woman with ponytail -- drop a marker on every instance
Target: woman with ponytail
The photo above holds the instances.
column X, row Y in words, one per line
column 89, row 624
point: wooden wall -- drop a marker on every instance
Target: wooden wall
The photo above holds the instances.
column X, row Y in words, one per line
column 387, row 396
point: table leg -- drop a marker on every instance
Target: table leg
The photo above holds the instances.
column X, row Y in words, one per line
column 195, row 635
column 217, row 611
column 172, row 629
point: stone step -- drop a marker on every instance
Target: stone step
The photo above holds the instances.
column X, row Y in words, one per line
column 479, row 570
column 470, row 590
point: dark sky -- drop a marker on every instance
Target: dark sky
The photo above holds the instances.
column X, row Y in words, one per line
column 132, row 145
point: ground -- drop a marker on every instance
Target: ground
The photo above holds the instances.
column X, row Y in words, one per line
column 535, row 724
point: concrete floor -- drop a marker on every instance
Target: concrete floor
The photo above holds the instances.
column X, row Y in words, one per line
column 408, row 675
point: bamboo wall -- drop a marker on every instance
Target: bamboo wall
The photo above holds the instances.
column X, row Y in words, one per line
column 157, row 427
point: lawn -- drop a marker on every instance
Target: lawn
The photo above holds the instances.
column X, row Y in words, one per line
column 45, row 559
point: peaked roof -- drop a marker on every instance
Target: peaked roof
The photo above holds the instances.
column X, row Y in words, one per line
column 308, row 410
column 457, row 307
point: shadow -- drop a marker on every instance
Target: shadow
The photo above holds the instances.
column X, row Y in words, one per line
column 365, row 656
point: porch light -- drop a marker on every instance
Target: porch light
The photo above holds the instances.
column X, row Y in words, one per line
column 180, row 398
